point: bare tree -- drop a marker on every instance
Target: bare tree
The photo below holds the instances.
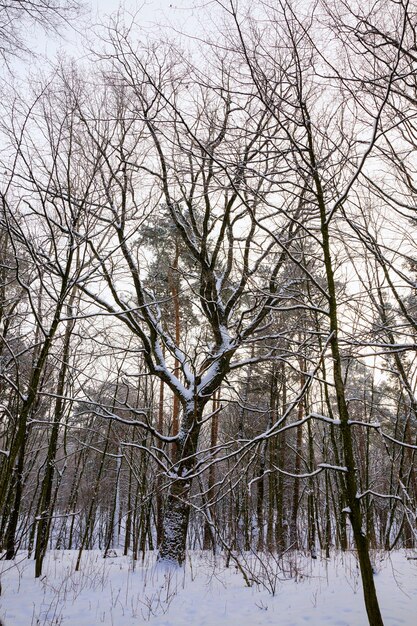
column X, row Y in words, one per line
column 213, row 215
column 17, row 16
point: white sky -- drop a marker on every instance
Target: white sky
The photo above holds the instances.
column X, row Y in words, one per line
column 71, row 42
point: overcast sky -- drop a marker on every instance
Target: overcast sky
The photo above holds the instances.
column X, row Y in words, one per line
column 150, row 13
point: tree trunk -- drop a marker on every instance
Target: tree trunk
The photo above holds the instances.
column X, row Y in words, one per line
column 350, row 482
column 159, row 496
column 296, row 487
column 177, row 509
column 45, row 508
column 209, row 539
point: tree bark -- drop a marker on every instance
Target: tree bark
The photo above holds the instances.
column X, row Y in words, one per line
column 177, row 508
column 350, row 482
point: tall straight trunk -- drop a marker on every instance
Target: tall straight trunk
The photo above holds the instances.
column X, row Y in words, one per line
column 176, row 304
column 272, row 444
column 128, row 530
column 350, row 482
column 311, row 500
column 296, row 486
column 45, row 509
column 136, row 521
column 159, row 497
column 270, row 536
column 260, row 497
column 16, row 488
column 328, row 523
column 281, row 525
column 114, row 517
column 340, row 516
column 209, row 538
column 116, row 522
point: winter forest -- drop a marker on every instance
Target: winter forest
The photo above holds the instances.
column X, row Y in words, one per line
column 208, row 312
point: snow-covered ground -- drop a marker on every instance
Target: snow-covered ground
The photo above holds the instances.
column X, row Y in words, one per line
column 114, row 591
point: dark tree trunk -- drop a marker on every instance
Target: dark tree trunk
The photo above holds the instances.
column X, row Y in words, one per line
column 177, row 508
column 209, row 536
column 350, row 482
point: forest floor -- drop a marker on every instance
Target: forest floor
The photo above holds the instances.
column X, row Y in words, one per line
column 292, row 591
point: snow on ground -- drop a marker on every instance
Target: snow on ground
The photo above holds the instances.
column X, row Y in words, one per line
column 115, row 591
